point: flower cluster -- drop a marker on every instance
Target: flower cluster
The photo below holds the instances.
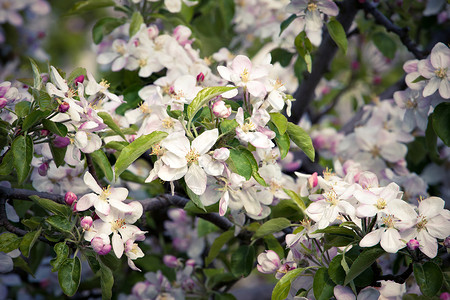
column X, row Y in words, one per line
column 114, row 217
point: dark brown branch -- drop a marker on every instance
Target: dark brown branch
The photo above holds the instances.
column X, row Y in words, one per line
column 151, row 204
column 401, row 32
column 398, row 278
column 10, row 227
column 304, row 95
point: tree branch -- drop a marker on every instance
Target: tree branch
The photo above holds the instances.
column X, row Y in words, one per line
column 401, row 32
column 151, row 204
column 304, row 95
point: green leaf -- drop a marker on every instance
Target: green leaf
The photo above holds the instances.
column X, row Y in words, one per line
column 217, row 245
column 205, row 227
column 37, row 79
column 44, row 100
column 323, row 286
column 104, row 27
column 59, row 155
column 203, row 97
column 223, row 296
column 304, row 48
column 287, row 22
column 287, row 208
column 385, row 44
column 282, row 56
column 106, row 281
column 301, row 139
column 116, row 145
column 22, row 109
column 76, row 73
column 336, row 271
column 337, row 230
column 34, row 117
column 337, row 33
column 22, row 150
column 102, row 161
column 273, row 244
column 362, row 262
column 283, row 286
column 56, row 208
column 9, row 242
column 254, row 165
column 88, row 5
column 431, row 139
column 69, row 276
column 135, row 24
column 280, row 122
column 429, row 277
column 195, row 198
column 441, row 117
column 239, row 164
column 60, row 223
column 271, row 226
column 62, row 253
column 227, row 126
column 138, row 147
column 419, row 79
column 19, row 262
column 242, row 261
column 294, row 196
column 108, row 120
column 28, row 241
column 56, row 128
column 6, row 166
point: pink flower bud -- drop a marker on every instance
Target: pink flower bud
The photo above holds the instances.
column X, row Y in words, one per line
column 182, row 33
column 376, row 80
column 63, row 107
column 79, row 79
column 200, row 77
column 61, row 142
column 101, row 244
column 413, row 244
column 86, row 223
column 268, row 262
column 152, row 31
column 220, row 110
column 170, row 261
column 74, row 207
column 444, row 296
column 178, row 215
column 190, row 262
column 447, row 242
column 42, row 170
column 188, row 284
column 355, row 65
column 221, row 154
column 44, row 132
column 313, row 180
column 70, row 198
column 3, row 102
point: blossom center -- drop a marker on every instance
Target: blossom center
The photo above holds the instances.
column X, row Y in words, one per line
column 145, row 108
column 244, row 75
column 389, row 221
column 104, row 85
column 422, row 223
column 248, row 126
column 167, row 123
column 118, row 224
column 381, row 204
column 312, row 6
column 6, row 5
column 142, row 62
column 277, row 84
column 411, row 103
column 192, row 156
column 157, row 150
column 71, row 93
column 441, row 73
column 120, row 49
column 106, row 192
column 375, row 151
column 331, row 198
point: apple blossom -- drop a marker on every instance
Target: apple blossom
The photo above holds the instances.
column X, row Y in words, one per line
column 101, row 244
column 435, row 69
column 102, row 199
column 268, row 262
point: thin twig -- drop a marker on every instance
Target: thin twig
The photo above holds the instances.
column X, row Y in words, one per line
column 401, row 32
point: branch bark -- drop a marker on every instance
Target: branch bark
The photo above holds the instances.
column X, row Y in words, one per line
column 304, row 95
